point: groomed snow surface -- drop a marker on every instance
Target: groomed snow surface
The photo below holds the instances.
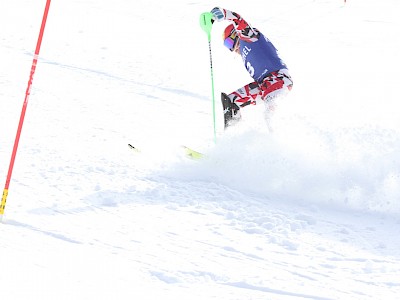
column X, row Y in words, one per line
column 309, row 211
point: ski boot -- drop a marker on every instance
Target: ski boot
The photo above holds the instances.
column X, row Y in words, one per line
column 231, row 111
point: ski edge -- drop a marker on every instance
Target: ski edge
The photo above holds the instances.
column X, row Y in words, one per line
column 133, row 148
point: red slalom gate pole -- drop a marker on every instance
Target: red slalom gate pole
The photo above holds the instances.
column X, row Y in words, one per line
column 22, row 117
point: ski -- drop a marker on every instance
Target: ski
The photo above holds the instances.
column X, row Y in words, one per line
column 189, row 152
column 192, row 153
column 133, row 148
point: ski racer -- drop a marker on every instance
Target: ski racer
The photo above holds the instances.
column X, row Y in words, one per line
column 261, row 59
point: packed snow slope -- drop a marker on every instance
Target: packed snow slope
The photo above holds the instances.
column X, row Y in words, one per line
column 308, row 211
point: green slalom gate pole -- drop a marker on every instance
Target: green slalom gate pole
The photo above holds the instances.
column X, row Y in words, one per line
column 206, row 25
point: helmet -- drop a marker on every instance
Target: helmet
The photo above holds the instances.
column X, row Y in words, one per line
column 230, row 29
column 230, row 37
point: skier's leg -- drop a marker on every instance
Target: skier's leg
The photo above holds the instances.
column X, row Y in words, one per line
column 275, row 84
column 240, row 98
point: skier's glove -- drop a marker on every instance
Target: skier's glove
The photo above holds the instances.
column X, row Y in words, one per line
column 218, row 14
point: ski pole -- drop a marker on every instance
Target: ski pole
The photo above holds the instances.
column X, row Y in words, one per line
column 206, row 25
column 25, row 104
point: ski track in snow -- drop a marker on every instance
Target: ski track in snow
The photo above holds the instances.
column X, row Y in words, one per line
column 310, row 211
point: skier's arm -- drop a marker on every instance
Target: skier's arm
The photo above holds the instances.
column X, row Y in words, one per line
column 244, row 30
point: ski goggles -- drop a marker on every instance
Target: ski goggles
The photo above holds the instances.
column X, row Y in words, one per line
column 231, row 41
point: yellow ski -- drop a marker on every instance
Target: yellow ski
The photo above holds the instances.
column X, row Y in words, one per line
column 188, row 152
column 192, row 153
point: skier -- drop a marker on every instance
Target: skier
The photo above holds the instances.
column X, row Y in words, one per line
column 260, row 57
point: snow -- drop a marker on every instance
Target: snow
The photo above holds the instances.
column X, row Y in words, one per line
column 310, row 211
